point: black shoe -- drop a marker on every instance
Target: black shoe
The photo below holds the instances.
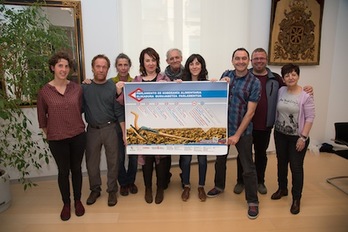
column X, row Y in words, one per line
column 279, row 194
column 92, row 197
column 133, row 189
column 112, row 199
column 124, row 190
column 148, row 195
column 159, row 195
column 295, row 207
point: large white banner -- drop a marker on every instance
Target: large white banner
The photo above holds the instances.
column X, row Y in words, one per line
column 187, row 118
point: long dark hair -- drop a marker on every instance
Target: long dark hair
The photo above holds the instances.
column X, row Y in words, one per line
column 202, row 76
column 152, row 53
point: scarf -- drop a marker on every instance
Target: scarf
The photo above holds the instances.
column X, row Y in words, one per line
column 173, row 76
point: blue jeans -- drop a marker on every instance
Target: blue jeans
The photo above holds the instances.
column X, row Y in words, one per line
column 286, row 153
column 244, row 148
column 126, row 176
column 185, row 165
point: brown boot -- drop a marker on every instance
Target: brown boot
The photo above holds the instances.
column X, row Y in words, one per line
column 185, row 194
column 148, row 195
column 159, row 195
column 201, row 194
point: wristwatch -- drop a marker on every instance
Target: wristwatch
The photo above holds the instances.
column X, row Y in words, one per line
column 303, row 138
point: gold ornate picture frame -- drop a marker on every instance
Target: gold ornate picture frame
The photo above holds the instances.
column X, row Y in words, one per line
column 295, row 32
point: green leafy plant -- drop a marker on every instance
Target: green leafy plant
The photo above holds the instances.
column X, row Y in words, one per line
column 18, row 150
column 27, row 41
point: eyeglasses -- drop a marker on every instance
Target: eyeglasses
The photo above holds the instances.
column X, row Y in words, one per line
column 259, row 59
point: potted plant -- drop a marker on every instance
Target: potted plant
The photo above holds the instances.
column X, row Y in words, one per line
column 27, row 41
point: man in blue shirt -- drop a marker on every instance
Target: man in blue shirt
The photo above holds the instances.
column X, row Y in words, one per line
column 244, row 94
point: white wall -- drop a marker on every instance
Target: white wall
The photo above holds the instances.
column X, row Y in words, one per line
column 251, row 23
column 337, row 81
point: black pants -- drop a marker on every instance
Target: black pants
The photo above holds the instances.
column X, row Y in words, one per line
column 68, row 154
column 161, row 171
column 287, row 154
column 260, row 141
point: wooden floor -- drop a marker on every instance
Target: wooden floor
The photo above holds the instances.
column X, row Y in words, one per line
column 323, row 207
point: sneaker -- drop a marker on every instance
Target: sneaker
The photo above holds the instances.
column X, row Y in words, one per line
column 253, row 211
column 238, row 189
column 214, row 192
column 65, row 214
column 262, row 188
column 79, row 209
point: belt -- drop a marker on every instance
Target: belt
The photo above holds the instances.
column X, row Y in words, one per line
column 102, row 125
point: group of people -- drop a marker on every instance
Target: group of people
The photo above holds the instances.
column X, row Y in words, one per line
column 258, row 100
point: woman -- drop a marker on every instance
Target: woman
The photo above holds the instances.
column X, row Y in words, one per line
column 195, row 70
column 59, row 109
column 294, row 119
column 150, row 72
column 126, row 177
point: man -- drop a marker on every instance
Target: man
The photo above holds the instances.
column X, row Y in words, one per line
column 243, row 98
column 264, row 117
column 174, row 70
column 102, row 112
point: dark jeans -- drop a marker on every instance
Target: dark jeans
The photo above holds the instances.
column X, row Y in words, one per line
column 244, row 148
column 126, row 176
column 286, row 153
column 161, row 171
column 68, row 154
column 185, row 165
column 168, row 161
column 261, row 141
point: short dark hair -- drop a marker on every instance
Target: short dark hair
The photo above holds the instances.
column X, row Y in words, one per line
column 100, row 56
column 288, row 68
column 123, row 56
column 240, row 49
column 259, row 50
column 58, row 56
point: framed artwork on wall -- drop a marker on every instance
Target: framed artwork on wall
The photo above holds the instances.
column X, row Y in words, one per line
column 295, row 32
